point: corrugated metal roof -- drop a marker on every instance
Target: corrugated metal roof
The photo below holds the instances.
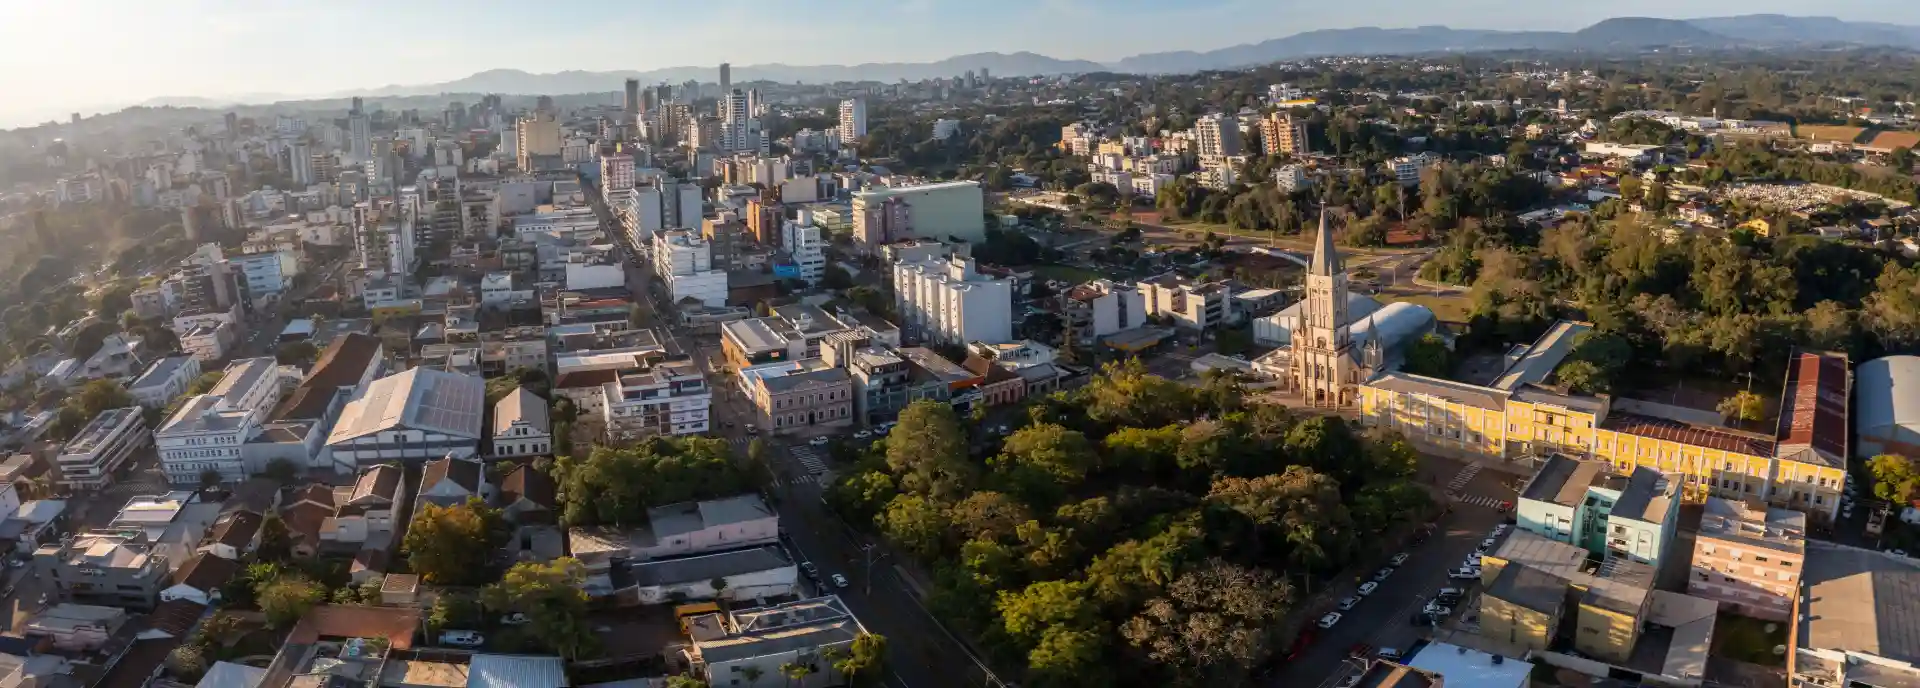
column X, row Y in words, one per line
column 516, row 671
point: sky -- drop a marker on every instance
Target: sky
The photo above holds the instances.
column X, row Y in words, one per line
column 61, row 55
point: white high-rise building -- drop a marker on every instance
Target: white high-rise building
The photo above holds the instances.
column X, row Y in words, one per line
column 739, row 127
column 1217, row 135
column 616, row 175
column 300, row 159
column 803, row 242
column 949, row 302
column 683, row 261
column 359, row 136
column 853, row 119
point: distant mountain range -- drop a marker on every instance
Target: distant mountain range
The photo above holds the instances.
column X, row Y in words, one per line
column 1625, row 34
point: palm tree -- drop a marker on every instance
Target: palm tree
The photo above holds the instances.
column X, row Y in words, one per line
column 831, row 657
column 787, row 670
column 797, row 672
column 752, row 674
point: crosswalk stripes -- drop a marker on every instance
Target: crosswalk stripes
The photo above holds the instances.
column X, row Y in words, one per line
column 1466, row 476
column 808, row 459
column 1481, row 500
column 798, row 480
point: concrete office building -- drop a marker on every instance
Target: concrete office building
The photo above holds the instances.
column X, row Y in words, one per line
column 683, row 262
column 616, row 176
column 941, row 211
column 89, row 460
column 164, row 380
column 950, row 302
column 536, row 137
column 1585, row 504
column 1100, row 308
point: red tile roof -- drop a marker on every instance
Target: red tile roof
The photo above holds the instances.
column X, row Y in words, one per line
column 1813, row 407
column 1676, row 431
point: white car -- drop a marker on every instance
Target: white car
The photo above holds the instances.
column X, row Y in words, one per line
column 839, row 581
column 883, row 430
column 1398, row 559
column 1329, row 620
column 1474, row 559
column 1465, row 573
column 1501, row 529
column 514, row 619
column 1437, row 609
column 1348, row 603
column 1486, row 544
column 818, row 441
column 1367, row 588
column 863, row 434
column 462, row 638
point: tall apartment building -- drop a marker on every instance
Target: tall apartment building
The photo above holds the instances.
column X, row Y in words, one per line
column 300, row 163
column 359, row 134
column 1192, row 305
column 536, row 136
column 665, row 398
column 684, row 263
column 806, row 249
column 739, row 127
column 853, row 119
column 1749, row 558
column 1217, row 135
column 632, row 102
column 941, row 211
column 1280, row 134
column 616, row 175
column 950, row 302
column 1100, row 308
column 89, row 460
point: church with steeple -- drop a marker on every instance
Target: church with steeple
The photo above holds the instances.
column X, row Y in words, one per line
column 1334, row 340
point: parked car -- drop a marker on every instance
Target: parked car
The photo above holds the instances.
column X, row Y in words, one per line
column 514, row 619
column 1388, row 653
column 1367, row 588
column 462, row 638
column 1382, row 575
column 1348, row 603
column 1329, row 620
column 818, row 441
column 1445, row 595
column 1486, row 545
column 808, row 567
column 839, row 581
column 1465, row 573
column 1398, row 559
column 1501, row 529
column 863, row 435
column 1437, row 609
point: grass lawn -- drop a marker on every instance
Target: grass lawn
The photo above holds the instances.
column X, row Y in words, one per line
column 1453, row 308
column 1746, row 639
column 1067, row 273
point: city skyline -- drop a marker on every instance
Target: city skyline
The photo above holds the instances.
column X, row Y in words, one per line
column 282, row 48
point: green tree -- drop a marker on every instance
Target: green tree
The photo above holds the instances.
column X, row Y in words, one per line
column 302, row 352
column 1214, row 624
column 865, row 663
column 1895, row 478
column 205, row 383
column 1743, row 406
column 454, row 609
column 916, row 524
column 928, row 452
column 451, row 545
column 209, row 479
column 276, row 541
column 288, row 597
column 101, row 395
column 1027, row 614
column 551, row 596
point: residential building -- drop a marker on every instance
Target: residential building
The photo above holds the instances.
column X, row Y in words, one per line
column 1408, row 168
column 999, row 386
column 885, row 383
column 937, row 211
column 119, row 569
column 806, row 250
column 1586, row 504
column 1031, row 360
column 236, row 534
column 89, row 460
column 853, row 120
column 763, row 639
column 199, row 579
column 163, row 380
column 665, row 398
column 537, row 141
column 595, row 267
column 415, row 416
column 520, row 426
column 1189, row 304
column 1100, row 308
column 349, row 519
column 204, row 436
column 528, row 496
column 451, row 482
column 616, row 175
column 250, row 384
column 951, row 302
column 799, row 396
column 77, row 628
column 755, row 341
column 740, row 574
column 1217, row 136
column 208, row 342
column 1749, row 558
column 683, row 261
column 1281, row 134
column 675, row 530
column 267, row 274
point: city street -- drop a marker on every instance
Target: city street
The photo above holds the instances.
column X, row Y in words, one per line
column 1385, row 618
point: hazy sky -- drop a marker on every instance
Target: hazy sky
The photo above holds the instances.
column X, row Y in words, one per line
column 58, row 55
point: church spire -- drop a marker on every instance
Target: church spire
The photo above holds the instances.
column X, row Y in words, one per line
column 1326, row 261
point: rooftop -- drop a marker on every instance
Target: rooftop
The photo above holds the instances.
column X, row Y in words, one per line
column 99, row 429
column 160, row 372
column 1724, row 439
column 1543, row 357
column 520, row 405
column 1562, row 480
column 1459, row 392
column 516, row 671
column 706, row 567
column 420, row 399
column 1813, row 410
column 1754, row 524
column 1529, row 588
column 1861, row 600
column 342, row 364
column 688, row 517
column 243, row 374
column 1465, row 668
column 203, row 414
column 1647, row 497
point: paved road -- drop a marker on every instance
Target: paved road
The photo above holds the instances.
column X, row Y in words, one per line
column 1384, row 619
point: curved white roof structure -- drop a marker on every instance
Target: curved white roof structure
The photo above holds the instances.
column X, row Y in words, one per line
column 1886, row 406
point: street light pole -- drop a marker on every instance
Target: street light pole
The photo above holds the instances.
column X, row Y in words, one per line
column 867, row 581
